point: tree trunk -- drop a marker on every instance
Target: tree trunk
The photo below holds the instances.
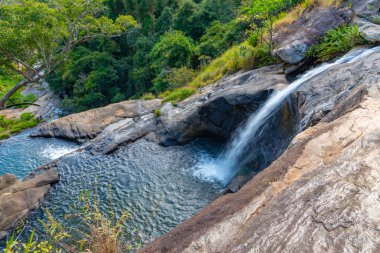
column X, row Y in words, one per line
column 14, row 89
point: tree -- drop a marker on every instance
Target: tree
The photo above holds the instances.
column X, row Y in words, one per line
column 262, row 14
column 165, row 21
column 37, row 37
column 188, row 19
column 222, row 10
column 174, row 50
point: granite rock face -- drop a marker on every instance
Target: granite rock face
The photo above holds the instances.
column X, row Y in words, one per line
column 291, row 46
column 19, row 198
column 220, row 108
column 87, row 125
column 321, row 195
column 341, row 86
column 369, row 30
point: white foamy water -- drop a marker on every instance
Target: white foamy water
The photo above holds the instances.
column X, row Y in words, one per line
column 54, row 152
column 227, row 165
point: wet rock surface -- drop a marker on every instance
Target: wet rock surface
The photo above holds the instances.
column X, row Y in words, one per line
column 342, row 86
column 321, row 195
column 19, row 198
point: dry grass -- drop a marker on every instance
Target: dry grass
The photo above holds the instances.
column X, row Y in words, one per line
column 295, row 13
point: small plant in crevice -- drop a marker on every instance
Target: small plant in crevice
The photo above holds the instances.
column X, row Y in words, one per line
column 337, row 41
column 157, row 113
column 376, row 20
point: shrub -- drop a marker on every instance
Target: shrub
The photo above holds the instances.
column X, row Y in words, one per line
column 173, row 79
column 99, row 232
column 337, row 41
column 12, row 126
column 259, row 56
column 4, row 136
column 148, row 96
column 178, row 95
column 157, row 113
column 26, row 116
column 173, row 50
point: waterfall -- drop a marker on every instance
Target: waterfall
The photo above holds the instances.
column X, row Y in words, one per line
column 229, row 162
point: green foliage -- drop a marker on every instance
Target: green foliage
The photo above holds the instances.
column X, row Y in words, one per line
column 173, row 79
column 7, row 81
column 214, row 42
column 165, row 22
column 188, row 19
column 148, row 57
column 177, row 95
column 89, row 79
column 100, row 231
column 231, row 61
column 157, row 113
column 178, row 43
column 148, row 96
column 174, row 50
column 12, row 126
column 337, row 41
column 38, row 36
column 376, row 20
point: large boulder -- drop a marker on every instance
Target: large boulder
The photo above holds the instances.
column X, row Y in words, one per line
column 321, row 195
column 367, row 9
column 369, row 30
column 292, row 46
column 87, row 125
column 19, row 198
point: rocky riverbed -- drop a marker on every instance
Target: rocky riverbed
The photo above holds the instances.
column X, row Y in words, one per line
column 320, row 195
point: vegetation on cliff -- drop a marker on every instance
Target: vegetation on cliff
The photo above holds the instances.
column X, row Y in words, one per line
column 37, row 37
column 15, row 125
column 126, row 49
column 100, row 231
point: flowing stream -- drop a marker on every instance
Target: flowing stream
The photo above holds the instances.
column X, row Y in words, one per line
column 161, row 187
column 230, row 161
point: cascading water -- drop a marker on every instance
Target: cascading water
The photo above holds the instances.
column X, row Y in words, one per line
column 229, row 162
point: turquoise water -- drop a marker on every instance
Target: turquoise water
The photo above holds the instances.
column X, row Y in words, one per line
column 21, row 154
column 155, row 184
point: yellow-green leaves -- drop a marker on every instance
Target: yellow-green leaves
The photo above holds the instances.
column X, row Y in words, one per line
column 34, row 32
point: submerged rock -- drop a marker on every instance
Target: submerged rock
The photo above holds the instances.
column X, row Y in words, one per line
column 19, row 198
column 321, row 195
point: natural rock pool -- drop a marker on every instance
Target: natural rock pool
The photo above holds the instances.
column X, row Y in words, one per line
column 155, row 184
